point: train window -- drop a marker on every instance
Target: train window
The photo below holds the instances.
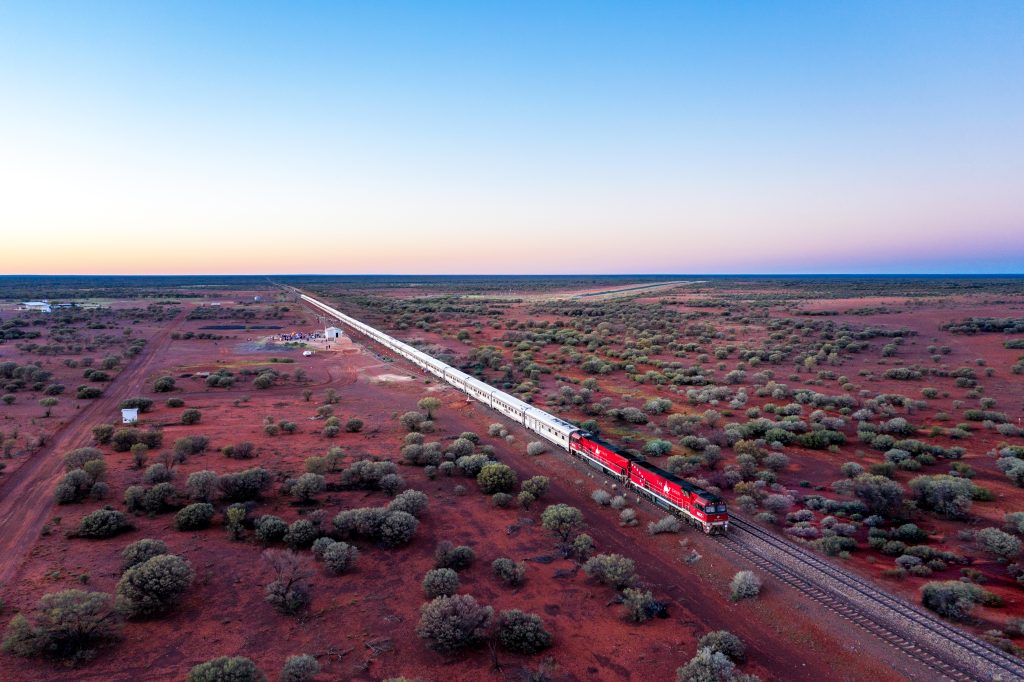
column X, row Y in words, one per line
column 699, row 506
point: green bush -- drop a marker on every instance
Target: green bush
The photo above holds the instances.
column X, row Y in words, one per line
column 522, row 633
column 302, row 668
column 141, row 551
column 562, row 520
column 195, row 516
column 69, row 626
column 951, row 598
column 103, row 523
column 450, row 624
column 191, row 416
column 456, row 558
column 339, row 557
column 154, row 586
column 724, row 642
column 508, row 571
column 611, row 569
column 745, row 585
column 440, row 582
column 225, row 669
column 496, row 478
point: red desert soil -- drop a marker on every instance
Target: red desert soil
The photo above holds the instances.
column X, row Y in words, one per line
column 362, row 625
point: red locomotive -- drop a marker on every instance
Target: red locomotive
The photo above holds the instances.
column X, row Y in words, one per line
column 700, row 507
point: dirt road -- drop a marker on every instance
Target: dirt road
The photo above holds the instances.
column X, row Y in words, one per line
column 26, row 497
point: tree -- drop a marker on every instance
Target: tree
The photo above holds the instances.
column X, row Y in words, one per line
column 69, row 625
column 302, row 668
column 227, row 669
column 398, row 528
column 440, row 582
column 289, row 591
column 78, row 458
column 428, row 405
column 496, row 478
column 562, row 520
column 154, row 586
column 48, row 404
column 450, row 624
column 745, row 585
column 522, row 633
column 611, row 569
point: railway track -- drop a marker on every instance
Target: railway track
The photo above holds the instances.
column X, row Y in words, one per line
column 949, row 652
column 919, row 635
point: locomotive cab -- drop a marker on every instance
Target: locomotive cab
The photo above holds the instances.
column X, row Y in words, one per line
column 710, row 508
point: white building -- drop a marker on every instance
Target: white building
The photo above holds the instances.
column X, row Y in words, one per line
column 332, row 333
column 130, row 415
column 38, row 306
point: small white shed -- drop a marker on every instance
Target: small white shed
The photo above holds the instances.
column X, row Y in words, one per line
column 332, row 333
column 130, row 415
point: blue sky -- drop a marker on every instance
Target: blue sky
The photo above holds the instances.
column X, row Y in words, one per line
column 512, row 137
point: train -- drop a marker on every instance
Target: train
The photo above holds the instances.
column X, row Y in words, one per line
column 700, row 507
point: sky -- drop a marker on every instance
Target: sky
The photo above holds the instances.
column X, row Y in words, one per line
column 511, row 137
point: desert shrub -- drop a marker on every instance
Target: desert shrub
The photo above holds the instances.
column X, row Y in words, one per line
column 409, row 501
column 412, row 420
column 244, row 485
column 174, row 402
column 354, row 425
column 998, row 543
column 141, row 551
column 142, row 404
column 508, row 571
column 535, row 486
column 879, row 494
column 949, row 496
column 103, row 523
column 195, row 516
column 154, row 586
column 391, row 483
column 398, row 528
column 534, row 448
column 657, row 448
column 301, row 534
column 306, row 486
column 522, row 633
column 226, row 669
column 458, row 558
column 503, row 500
column 602, row 497
column 102, row 433
column 440, row 582
column 201, row 486
column 69, row 626
column 302, row 668
column 562, row 520
column 611, row 569
column 640, row 604
column 157, row 473
column 496, row 478
column 77, row 459
column 243, row 450
column 270, row 529
column 618, row 502
column 582, row 546
column 191, row 416
column 73, row 487
column 289, row 591
column 450, row 624
column 951, row 598
column 745, row 585
column 725, row 642
column 667, row 524
column 711, row 666
column 339, row 557
column 627, row 517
